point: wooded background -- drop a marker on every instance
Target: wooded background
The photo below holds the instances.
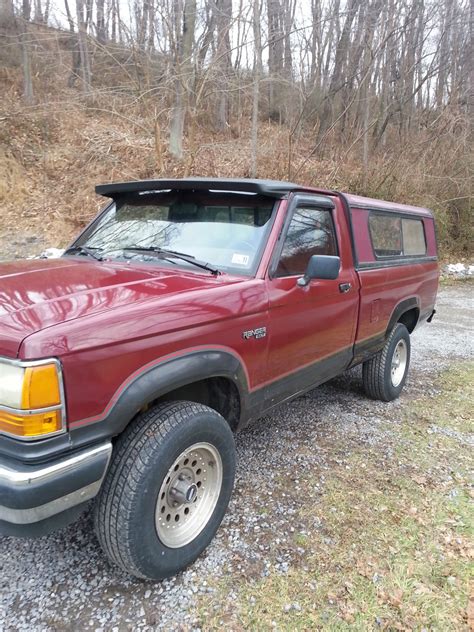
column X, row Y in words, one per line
column 373, row 96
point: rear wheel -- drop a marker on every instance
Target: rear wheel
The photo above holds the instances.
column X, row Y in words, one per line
column 167, row 489
column 385, row 374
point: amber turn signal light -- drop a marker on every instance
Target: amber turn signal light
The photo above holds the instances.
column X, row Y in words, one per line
column 31, row 399
column 40, row 387
column 34, row 425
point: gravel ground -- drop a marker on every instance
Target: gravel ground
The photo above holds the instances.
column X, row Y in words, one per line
column 63, row 582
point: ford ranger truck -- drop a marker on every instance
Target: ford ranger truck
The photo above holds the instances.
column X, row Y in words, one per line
column 186, row 309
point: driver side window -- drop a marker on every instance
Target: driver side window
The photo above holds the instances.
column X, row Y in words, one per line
column 311, row 232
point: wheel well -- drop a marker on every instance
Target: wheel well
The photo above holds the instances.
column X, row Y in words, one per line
column 410, row 318
column 219, row 393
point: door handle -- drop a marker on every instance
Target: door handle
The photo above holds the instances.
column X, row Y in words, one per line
column 344, row 287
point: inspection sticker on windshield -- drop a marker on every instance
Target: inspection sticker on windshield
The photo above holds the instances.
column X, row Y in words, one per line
column 241, row 260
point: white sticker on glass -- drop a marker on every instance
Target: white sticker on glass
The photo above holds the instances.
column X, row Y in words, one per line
column 241, row 260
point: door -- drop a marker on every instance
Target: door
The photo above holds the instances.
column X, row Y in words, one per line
column 312, row 327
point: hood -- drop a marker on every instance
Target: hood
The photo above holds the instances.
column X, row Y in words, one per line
column 41, row 293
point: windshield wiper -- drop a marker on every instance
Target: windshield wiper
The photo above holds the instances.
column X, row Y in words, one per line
column 84, row 250
column 156, row 250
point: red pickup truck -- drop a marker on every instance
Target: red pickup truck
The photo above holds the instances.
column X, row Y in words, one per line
column 186, row 309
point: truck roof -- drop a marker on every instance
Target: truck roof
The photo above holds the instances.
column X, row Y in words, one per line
column 273, row 188
column 357, row 201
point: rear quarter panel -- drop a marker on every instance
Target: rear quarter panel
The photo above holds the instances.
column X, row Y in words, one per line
column 383, row 289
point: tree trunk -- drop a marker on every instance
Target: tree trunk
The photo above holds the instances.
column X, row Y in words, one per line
column 101, row 33
column 470, row 87
column 223, row 60
column 182, row 79
column 38, row 12
column 337, row 78
column 83, row 46
column 365, row 96
column 444, row 46
column 275, row 56
column 76, row 57
column 257, row 73
column 207, row 39
column 28, row 94
column 151, row 25
column 23, row 26
column 7, row 15
column 288, row 18
column 113, row 20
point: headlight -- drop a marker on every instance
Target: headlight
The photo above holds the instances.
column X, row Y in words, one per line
column 31, row 399
column 11, row 385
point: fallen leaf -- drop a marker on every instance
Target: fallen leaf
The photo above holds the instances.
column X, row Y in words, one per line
column 395, row 599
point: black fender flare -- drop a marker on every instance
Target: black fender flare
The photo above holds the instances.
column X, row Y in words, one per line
column 156, row 381
column 402, row 307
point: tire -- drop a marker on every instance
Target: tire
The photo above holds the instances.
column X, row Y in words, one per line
column 383, row 378
column 135, row 513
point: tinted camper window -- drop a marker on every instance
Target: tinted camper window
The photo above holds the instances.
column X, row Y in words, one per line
column 413, row 237
column 395, row 236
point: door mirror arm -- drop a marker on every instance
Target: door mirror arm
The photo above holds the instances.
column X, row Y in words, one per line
column 303, row 281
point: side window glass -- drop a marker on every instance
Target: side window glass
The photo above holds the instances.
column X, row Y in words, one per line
column 311, row 232
column 394, row 236
column 386, row 233
column 413, row 237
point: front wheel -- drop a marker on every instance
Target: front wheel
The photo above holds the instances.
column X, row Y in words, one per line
column 167, row 489
column 385, row 374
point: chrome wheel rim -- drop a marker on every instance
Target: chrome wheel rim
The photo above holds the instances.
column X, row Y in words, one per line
column 399, row 363
column 188, row 495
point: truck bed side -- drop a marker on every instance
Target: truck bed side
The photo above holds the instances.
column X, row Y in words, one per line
column 392, row 288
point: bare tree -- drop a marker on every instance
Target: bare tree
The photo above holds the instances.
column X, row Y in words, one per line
column 74, row 43
column 338, row 78
column 257, row 74
column 25, row 53
column 101, row 32
column 7, row 14
column 275, row 55
column 185, row 19
column 470, row 68
column 223, row 12
column 83, row 46
column 10, row 23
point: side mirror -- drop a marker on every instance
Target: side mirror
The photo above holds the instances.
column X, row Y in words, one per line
column 320, row 267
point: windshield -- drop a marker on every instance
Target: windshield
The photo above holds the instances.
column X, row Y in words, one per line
column 226, row 230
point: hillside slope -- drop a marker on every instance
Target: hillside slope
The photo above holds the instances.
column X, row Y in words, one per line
column 53, row 153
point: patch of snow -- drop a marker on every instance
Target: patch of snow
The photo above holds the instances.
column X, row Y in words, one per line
column 459, row 269
column 51, row 253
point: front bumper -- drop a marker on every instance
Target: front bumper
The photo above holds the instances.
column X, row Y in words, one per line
column 36, row 499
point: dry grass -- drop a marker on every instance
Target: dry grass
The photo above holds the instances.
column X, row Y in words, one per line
column 13, row 182
column 395, row 549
